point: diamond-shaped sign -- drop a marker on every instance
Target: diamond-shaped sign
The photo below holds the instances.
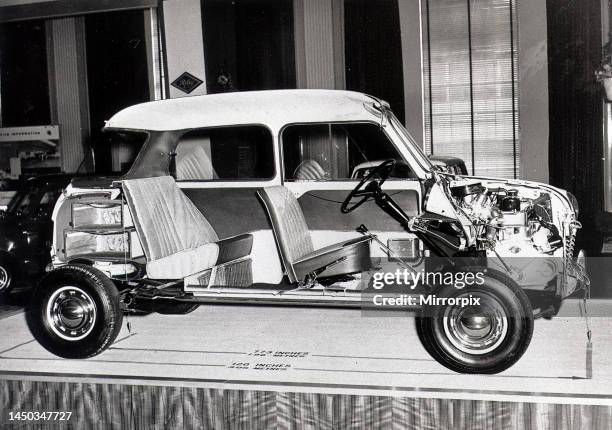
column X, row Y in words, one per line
column 186, row 82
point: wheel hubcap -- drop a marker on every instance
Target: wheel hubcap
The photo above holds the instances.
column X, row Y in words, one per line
column 5, row 279
column 476, row 322
column 476, row 329
column 71, row 313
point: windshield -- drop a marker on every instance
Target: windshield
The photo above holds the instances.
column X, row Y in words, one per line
column 411, row 144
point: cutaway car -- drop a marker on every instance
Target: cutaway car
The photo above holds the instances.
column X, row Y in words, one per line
column 299, row 197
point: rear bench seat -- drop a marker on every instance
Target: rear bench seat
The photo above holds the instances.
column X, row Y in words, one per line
column 178, row 241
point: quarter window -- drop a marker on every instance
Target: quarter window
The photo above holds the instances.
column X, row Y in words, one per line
column 328, row 152
column 124, row 147
column 227, row 153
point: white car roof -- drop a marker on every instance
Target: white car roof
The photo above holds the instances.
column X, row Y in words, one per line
column 274, row 108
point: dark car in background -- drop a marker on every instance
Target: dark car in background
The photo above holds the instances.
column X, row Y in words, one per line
column 26, row 230
column 452, row 165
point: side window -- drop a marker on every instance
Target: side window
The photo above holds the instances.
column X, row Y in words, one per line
column 226, row 153
column 124, row 148
column 335, row 152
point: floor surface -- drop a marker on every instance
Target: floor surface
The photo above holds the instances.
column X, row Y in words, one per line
column 323, row 350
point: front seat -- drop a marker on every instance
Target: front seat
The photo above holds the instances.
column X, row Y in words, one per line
column 302, row 262
column 177, row 240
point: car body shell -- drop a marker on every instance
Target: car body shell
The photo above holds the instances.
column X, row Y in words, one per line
column 231, row 205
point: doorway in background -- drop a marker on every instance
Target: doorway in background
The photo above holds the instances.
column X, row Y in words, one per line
column 248, row 45
column 117, row 76
column 373, row 51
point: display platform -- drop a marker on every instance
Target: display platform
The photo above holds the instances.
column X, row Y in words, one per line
column 259, row 365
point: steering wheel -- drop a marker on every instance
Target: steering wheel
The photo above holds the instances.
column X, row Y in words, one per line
column 371, row 189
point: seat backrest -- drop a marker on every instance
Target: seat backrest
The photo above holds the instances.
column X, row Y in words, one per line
column 309, row 170
column 166, row 220
column 193, row 161
column 289, row 225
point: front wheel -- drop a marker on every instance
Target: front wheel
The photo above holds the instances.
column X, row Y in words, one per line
column 488, row 337
column 75, row 312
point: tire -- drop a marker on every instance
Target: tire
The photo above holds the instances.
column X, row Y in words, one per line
column 7, row 277
column 485, row 339
column 75, row 311
column 175, row 308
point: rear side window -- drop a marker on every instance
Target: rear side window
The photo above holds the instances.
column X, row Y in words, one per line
column 225, row 153
column 124, row 148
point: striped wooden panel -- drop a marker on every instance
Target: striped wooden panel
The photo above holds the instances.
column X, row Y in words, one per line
column 114, row 406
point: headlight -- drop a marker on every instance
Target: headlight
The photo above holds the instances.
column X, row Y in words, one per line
column 574, row 201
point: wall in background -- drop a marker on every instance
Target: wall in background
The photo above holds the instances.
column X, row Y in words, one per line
column 319, row 44
column 533, row 90
column 68, row 77
column 412, row 62
column 576, row 126
column 184, row 43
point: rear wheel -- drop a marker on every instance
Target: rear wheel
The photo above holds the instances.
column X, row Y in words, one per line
column 75, row 312
column 488, row 337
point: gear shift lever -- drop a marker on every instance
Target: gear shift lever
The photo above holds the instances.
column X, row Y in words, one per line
column 364, row 230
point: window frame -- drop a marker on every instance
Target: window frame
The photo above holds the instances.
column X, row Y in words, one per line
column 374, row 123
column 237, row 180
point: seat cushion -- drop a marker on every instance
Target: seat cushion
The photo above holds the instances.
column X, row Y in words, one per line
column 355, row 255
column 166, row 221
column 233, row 248
column 184, row 263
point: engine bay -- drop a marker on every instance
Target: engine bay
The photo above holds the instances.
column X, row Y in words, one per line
column 523, row 231
column 507, row 223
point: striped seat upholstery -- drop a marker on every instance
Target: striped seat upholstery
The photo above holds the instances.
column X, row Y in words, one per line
column 289, row 224
column 295, row 244
column 193, row 162
column 176, row 238
column 309, row 170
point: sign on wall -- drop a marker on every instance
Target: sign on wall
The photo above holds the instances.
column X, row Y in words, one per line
column 29, row 149
column 186, row 82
